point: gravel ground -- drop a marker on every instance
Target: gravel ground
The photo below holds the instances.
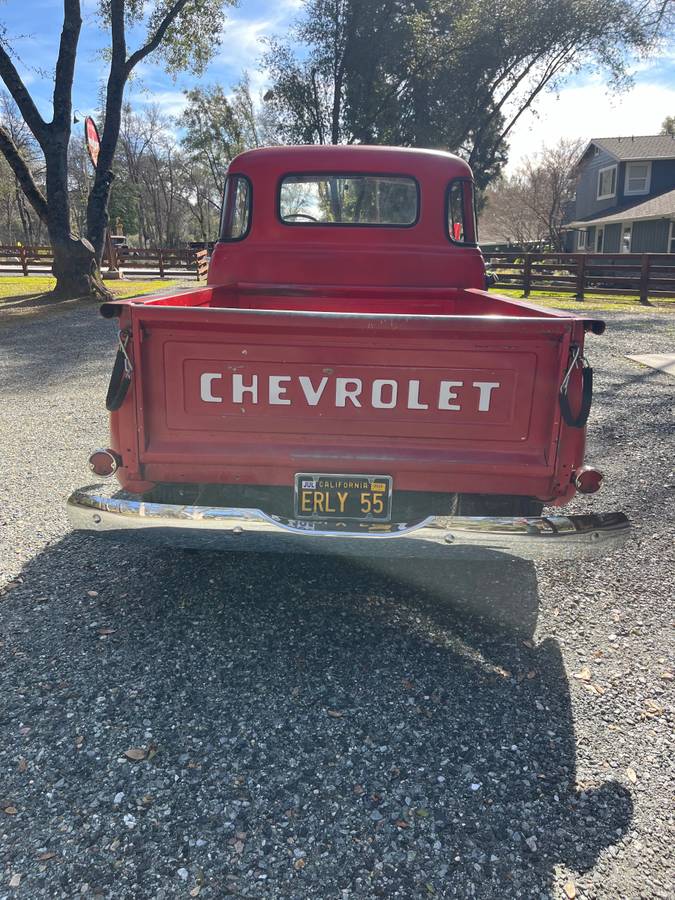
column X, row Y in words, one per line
column 314, row 727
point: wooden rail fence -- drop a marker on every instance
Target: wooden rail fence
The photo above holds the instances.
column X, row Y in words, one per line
column 642, row 275
column 162, row 261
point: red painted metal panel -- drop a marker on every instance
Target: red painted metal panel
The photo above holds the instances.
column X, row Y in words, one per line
column 416, row 369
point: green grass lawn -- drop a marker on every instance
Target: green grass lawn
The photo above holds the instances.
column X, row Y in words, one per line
column 17, row 293
column 592, row 302
column 18, row 288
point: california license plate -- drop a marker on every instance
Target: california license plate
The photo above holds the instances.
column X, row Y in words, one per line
column 364, row 498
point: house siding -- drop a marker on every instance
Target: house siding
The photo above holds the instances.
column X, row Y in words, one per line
column 587, row 185
column 613, row 238
column 663, row 177
column 585, row 205
column 650, row 237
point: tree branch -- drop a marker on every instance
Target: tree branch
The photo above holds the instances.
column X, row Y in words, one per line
column 21, row 96
column 23, row 174
column 65, row 65
column 119, row 43
column 157, row 37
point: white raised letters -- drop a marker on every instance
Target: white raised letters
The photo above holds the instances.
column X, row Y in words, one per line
column 378, row 387
column 239, row 388
column 414, row 396
column 277, row 391
column 486, row 388
column 445, row 394
column 205, row 384
column 312, row 394
column 344, row 393
column 381, row 393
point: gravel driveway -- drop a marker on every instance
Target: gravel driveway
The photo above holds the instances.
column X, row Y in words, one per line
column 311, row 727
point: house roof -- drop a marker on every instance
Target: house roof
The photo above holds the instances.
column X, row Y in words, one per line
column 660, row 207
column 646, row 146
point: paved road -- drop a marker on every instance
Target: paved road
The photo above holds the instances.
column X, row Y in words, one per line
column 320, row 728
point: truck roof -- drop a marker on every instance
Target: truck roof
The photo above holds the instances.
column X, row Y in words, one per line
column 352, row 158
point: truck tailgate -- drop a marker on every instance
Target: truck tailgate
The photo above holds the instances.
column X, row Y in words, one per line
column 248, row 396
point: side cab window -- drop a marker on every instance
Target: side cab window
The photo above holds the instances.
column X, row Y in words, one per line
column 461, row 212
column 236, row 218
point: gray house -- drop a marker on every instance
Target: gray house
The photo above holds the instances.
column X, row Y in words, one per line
column 625, row 197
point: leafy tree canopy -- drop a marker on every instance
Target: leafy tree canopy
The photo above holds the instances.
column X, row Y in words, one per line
column 454, row 74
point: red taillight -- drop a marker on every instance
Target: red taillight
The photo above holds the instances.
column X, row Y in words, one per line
column 588, row 480
column 104, row 462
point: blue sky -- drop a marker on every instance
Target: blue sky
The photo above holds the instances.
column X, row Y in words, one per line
column 582, row 108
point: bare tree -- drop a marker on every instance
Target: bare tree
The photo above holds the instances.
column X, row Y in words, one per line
column 14, row 131
column 531, row 205
column 183, row 32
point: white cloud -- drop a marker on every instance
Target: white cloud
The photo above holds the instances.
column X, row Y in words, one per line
column 242, row 37
column 590, row 111
column 170, row 103
column 241, row 42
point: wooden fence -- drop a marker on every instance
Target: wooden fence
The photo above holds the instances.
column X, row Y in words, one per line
column 165, row 262
column 642, row 275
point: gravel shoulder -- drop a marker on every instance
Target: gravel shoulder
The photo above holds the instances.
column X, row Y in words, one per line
column 316, row 727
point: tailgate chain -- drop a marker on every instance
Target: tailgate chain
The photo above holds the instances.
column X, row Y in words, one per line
column 121, row 374
column 577, row 359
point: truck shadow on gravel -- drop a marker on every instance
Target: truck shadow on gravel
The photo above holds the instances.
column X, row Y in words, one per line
column 313, row 727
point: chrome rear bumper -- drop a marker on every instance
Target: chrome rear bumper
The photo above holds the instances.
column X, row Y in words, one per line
column 224, row 528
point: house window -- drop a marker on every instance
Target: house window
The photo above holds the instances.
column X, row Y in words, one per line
column 600, row 240
column 671, row 242
column 626, row 234
column 638, row 177
column 581, row 240
column 607, row 183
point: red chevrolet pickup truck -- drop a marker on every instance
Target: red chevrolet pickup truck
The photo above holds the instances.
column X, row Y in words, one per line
column 345, row 378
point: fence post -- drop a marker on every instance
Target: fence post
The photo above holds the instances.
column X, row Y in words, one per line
column 581, row 276
column 112, row 254
column 644, row 279
column 161, row 263
column 527, row 275
column 23, row 256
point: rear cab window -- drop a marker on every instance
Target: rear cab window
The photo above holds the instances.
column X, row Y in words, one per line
column 461, row 212
column 348, row 199
column 236, row 220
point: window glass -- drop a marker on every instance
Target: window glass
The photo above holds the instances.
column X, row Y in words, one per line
column 581, row 240
column 348, row 200
column 236, row 208
column 638, row 175
column 607, row 182
column 461, row 212
column 672, row 238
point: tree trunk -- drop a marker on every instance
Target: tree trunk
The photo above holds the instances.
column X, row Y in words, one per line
column 97, row 212
column 75, row 267
column 97, row 205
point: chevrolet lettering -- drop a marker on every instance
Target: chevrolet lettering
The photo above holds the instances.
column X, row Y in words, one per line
column 381, row 393
column 346, row 382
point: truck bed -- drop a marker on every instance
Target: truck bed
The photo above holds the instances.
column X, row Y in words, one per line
column 443, row 390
